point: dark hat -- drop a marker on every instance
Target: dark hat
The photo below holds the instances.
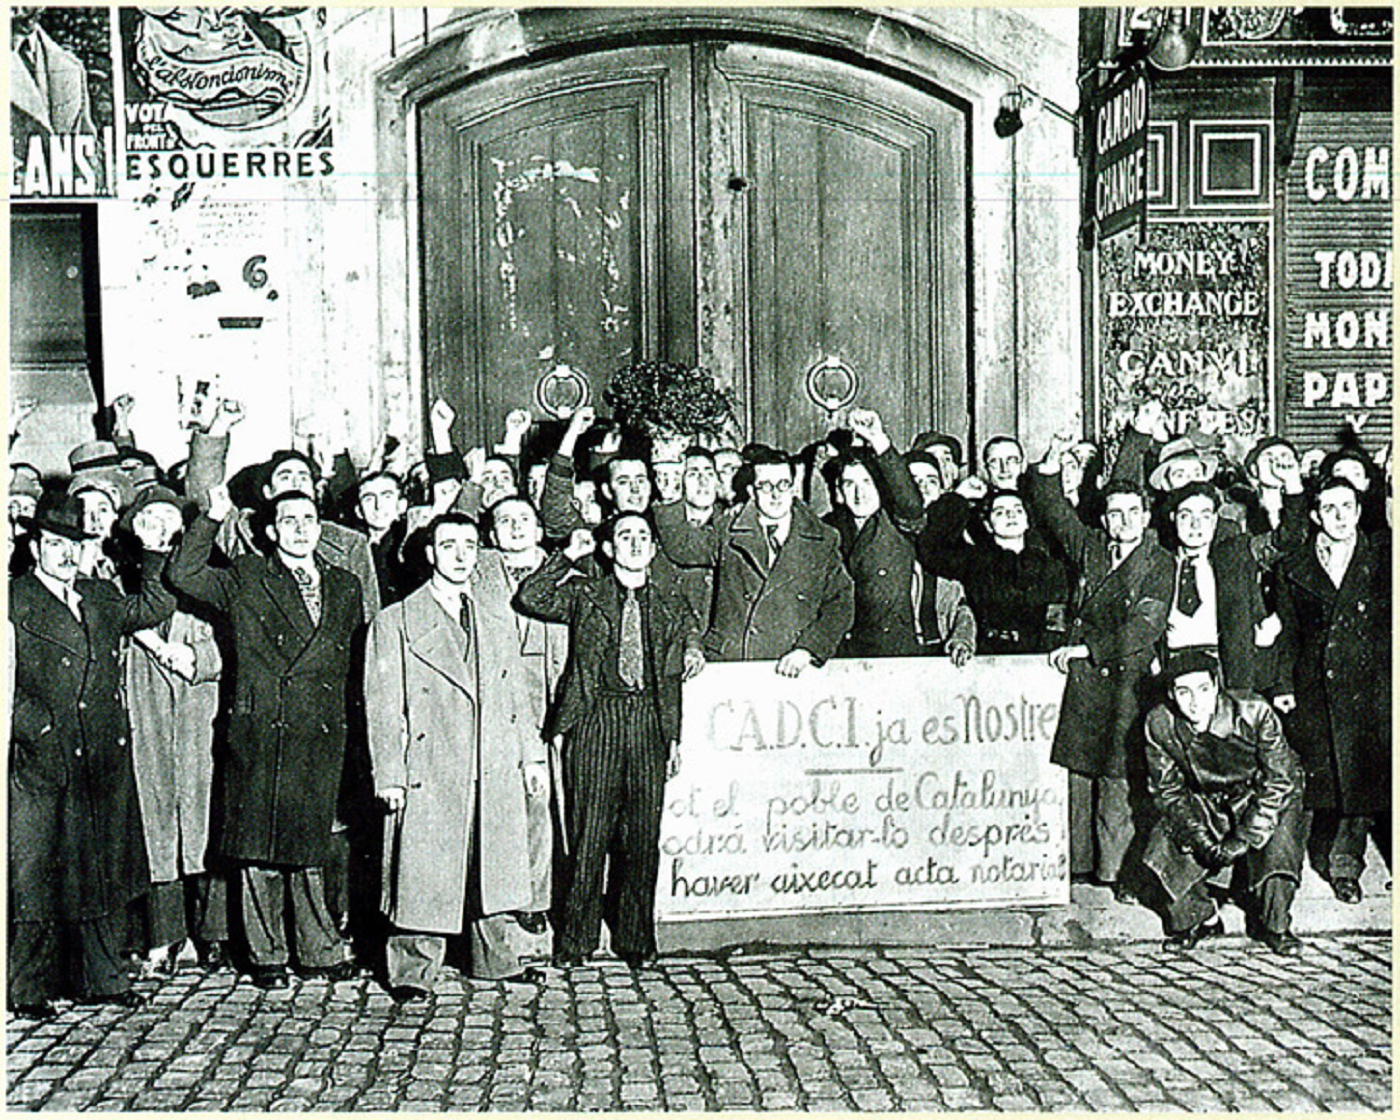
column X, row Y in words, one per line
column 1183, row 448
column 144, row 477
column 1192, row 659
column 1192, row 490
column 98, row 453
column 152, row 495
column 1262, row 446
column 924, row 440
column 284, row 456
column 64, row 517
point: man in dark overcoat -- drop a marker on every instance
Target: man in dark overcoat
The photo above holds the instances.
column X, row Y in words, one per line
column 619, row 710
column 1228, row 790
column 782, row 591
column 1118, row 612
column 1334, row 599
column 77, row 852
column 293, row 617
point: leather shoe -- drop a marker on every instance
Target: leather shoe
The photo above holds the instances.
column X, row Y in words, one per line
column 1188, row 939
column 1284, row 944
column 408, row 993
column 1347, row 890
column 268, row 977
column 638, row 961
column 39, row 1012
column 567, row 960
column 528, row 976
column 127, row 999
column 213, row 956
column 335, row 973
column 531, row 921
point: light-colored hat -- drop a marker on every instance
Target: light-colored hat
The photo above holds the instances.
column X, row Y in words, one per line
column 1180, row 450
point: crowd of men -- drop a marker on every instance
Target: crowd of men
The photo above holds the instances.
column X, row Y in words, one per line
column 304, row 716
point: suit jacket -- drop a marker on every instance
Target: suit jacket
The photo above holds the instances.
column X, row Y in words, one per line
column 339, row 546
column 287, row 731
column 1334, row 657
column 1239, row 607
column 55, row 97
column 1240, row 776
column 1119, row 614
column 76, row 847
column 805, row 601
column 591, row 605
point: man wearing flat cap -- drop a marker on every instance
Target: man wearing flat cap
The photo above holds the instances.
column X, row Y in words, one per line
column 1229, row 791
column 77, row 857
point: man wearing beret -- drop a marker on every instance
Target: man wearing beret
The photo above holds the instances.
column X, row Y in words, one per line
column 77, row 857
column 1229, row 791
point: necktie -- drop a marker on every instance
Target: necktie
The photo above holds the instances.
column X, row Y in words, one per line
column 771, row 532
column 464, row 616
column 310, row 594
column 1188, row 598
column 629, row 649
column 1117, row 553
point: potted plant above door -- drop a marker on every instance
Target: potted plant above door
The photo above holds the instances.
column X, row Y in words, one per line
column 671, row 402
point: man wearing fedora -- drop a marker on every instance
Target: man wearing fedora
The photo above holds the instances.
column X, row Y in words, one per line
column 1229, row 791
column 77, row 857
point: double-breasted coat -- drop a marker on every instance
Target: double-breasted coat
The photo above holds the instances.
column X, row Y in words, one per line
column 448, row 724
column 1119, row 614
column 287, row 730
column 172, row 739
column 806, row 600
column 76, row 849
column 1335, row 659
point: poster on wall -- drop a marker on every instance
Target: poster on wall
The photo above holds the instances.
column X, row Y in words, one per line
column 898, row 784
column 222, row 94
column 1186, row 319
column 62, row 115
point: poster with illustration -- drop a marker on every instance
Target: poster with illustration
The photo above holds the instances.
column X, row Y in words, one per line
column 216, row 94
column 62, row 135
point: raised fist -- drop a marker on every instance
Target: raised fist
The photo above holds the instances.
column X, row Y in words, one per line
column 581, row 543
column 441, row 415
column 229, row 413
column 867, row 425
column 220, row 504
column 518, row 422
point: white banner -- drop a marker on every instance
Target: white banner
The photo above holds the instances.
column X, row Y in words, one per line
column 903, row 783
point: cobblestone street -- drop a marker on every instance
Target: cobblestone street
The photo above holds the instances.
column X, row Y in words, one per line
column 1125, row 1027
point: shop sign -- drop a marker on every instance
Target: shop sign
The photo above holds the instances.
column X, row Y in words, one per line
column 866, row 785
column 224, row 94
column 1118, row 132
column 1340, row 279
column 62, row 134
column 1184, row 318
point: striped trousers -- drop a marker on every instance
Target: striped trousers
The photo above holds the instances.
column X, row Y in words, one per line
column 616, row 772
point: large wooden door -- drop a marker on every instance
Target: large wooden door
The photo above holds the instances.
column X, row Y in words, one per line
column 851, row 226
column 793, row 222
column 556, row 224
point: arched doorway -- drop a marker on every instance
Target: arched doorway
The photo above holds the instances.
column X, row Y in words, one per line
column 759, row 209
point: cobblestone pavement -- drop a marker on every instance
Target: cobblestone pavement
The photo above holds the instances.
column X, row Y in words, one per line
column 1126, row 1027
